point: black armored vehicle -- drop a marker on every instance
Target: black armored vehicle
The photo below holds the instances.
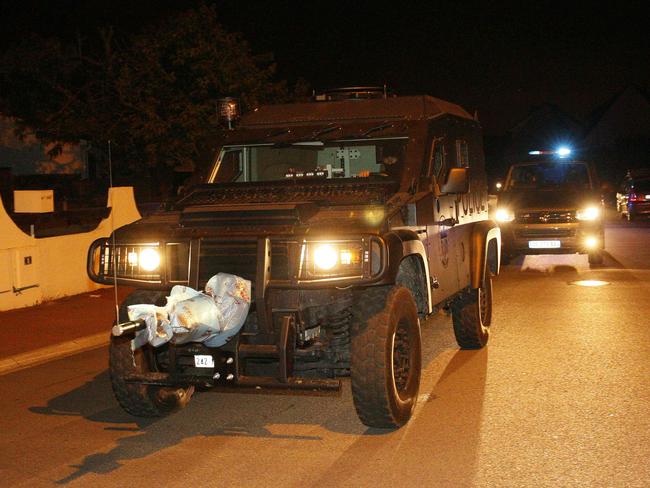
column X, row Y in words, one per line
column 352, row 218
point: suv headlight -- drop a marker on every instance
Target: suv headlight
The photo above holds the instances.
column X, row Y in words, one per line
column 588, row 213
column 504, row 215
column 342, row 259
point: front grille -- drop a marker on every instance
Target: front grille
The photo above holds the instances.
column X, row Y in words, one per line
column 545, row 232
column 240, row 258
column 546, row 217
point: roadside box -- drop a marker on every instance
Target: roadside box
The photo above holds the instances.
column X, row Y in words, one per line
column 33, row 201
column 25, row 267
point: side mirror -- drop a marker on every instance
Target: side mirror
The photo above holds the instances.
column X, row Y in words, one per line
column 456, row 182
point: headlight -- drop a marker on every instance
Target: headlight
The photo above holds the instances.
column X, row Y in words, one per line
column 149, row 259
column 325, row 257
column 588, row 213
column 361, row 258
column 504, row 215
column 592, row 242
column 139, row 262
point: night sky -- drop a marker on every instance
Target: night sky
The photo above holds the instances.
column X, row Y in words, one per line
column 499, row 60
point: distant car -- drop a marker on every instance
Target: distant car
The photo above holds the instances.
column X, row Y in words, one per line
column 633, row 198
column 551, row 207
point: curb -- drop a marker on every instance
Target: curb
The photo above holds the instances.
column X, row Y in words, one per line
column 50, row 353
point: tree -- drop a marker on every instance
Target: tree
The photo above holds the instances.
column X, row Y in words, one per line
column 153, row 94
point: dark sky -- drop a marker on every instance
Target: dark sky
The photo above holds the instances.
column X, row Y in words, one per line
column 499, row 60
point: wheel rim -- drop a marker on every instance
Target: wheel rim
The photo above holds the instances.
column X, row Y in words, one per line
column 401, row 357
column 484, row 304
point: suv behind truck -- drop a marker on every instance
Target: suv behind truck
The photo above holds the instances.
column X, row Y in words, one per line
column 551, row 205
column 352, row 219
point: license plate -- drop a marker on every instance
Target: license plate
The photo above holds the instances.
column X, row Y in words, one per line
column 543, row 244
column 203, row 361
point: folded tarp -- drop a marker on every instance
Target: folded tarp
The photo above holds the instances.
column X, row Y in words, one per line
column 212, row 317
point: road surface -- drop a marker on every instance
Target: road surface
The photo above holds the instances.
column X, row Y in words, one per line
column 560, row 397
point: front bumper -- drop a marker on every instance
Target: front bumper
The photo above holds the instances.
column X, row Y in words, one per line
column 572, row 237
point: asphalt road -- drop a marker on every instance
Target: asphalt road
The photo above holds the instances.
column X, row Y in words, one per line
column 560, row 397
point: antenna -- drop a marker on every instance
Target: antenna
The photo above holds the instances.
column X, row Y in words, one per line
column 113, row 254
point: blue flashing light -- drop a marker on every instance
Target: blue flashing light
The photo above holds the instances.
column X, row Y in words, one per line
column 563, row 151
column 534, row 153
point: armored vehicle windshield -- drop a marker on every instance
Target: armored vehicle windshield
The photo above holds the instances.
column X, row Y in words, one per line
column 309, row 159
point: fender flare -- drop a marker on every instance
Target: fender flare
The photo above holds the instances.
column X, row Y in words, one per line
column 402, row 243
column 484, row 234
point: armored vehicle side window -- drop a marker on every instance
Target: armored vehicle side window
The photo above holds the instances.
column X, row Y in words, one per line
column 229, row 167
column 462, row 154
column 338, row 159
column 438, row 156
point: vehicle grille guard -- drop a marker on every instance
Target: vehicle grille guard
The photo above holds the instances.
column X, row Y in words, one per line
column 226, row 373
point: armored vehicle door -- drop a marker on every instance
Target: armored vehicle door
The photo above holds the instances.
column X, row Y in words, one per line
column 438, row 213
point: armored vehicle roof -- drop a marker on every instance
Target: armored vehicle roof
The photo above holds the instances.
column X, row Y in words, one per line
column 396, row 108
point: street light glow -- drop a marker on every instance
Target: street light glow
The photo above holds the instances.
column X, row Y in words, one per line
column 590, row 283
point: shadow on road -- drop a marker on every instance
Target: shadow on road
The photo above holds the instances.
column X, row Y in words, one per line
column 234, row 414
column 94, row 401
column 446, row 430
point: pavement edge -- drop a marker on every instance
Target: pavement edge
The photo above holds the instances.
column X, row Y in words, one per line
column 50, row 353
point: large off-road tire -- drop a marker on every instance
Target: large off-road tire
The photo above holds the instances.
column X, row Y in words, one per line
column 386, row 357
column 136, row 399
column 471, row 314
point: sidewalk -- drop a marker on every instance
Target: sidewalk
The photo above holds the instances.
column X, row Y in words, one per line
column 34, row 335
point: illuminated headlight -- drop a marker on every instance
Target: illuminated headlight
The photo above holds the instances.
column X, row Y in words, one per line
column 141, row 262
column 325, row 257
column 149, row 259
column 132, row 258
column 591, row 242
column 504, row 215
column 341, row 259
column 589, row 213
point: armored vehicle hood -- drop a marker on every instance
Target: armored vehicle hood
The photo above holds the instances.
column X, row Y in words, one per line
column 275, row 208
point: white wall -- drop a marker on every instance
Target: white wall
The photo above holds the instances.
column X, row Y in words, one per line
column 55, row 265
